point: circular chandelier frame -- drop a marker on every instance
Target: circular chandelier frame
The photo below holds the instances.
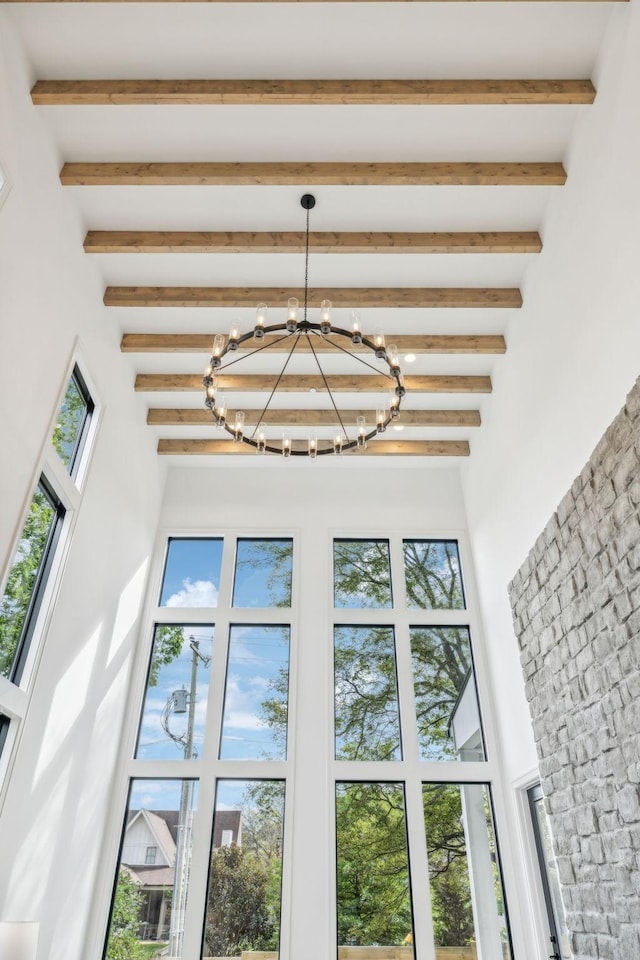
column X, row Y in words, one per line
column 293, row 330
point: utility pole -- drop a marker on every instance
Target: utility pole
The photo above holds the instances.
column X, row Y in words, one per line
column 185, row 821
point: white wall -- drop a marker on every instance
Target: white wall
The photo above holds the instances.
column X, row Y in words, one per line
column 57, row 797
column 573, row 354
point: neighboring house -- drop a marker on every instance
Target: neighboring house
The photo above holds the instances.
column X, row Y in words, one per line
column 149, row 857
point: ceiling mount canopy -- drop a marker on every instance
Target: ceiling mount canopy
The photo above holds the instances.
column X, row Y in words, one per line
column 302, row 336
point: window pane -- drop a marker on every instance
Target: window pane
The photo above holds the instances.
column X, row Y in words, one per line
column 76, row 408
column 245, row 876
column 467, row 902
column 447, row 710
column 361, row 573
column 26, row 580
column 254, row 725
column 149, row 900
column 432, row 575
column 4, row 730
column 175, row 705
column 192, row 573
column 374, row 900
column 367, row 720
column 263, row 573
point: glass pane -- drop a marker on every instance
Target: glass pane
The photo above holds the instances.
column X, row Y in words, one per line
column 432, row 575
column 263, row 573
column 175, row 705
column 361, row 573
column 24, row 574
column 71, row 419
column 548, row 864
column 245, row 876
column 4, row 730
column 150, row 898
column 374, row 900
column 254, row 726
column 467, row 901
column 367, row 719
column 192, row 573
column 447, row 710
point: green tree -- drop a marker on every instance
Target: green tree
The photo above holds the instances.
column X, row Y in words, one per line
column 70, row 419
column 22, row 578
column 367, row 725
column 448, row 865
column 167, row 646
column 374, row 903
column 238, row 916
column 123, row 941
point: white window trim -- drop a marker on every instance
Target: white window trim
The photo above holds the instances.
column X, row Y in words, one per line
column 208, row 769
column 14, row 698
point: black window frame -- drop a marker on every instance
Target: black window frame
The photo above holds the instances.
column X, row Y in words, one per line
column 75, row 458
column 37, row 594
column 5, row 723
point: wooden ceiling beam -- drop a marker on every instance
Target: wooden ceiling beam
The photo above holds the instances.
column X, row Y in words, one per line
column 198, row 173
column 201, row 417
column 401, row 448
column 328, row 92
column 406, row 343
column 200, row 241
column 347, row 297
column 303, row 383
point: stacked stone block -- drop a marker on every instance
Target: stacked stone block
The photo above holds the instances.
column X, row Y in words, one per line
column 576, row 606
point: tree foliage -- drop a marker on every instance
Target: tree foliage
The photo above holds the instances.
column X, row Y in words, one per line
column 167, row 647
column 374, row 903
column 367, row 724
column 123, row 933
column 23, row 575
column 448, row 866
column 238, row 910
column 70, row 419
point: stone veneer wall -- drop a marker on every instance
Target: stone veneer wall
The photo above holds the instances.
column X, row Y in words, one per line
column 576, row 605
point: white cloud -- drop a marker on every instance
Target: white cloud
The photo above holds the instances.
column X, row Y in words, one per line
column 198, row 593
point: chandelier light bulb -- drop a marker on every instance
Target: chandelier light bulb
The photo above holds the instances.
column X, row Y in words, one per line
column 378, row 341
column 238, row 428
column 211, row 390
column 337, row 443
column 313, row 447
column 356, row 335
column 361, row 424
column 234, row 333
column 325, row 317
column 262, row 313
column 381, row 417
column 286, row 445
column 221, row 410
column 261, row 439
column 217, row 351
column 392, row 355
column 395, row 406
column 292, row 314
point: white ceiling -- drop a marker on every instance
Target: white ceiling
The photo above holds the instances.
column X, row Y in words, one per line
column 313, row 40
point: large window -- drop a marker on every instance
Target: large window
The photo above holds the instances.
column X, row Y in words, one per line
column 28, row 582
column 251, row 678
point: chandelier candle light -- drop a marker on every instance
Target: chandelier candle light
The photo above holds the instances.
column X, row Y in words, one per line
column 294, row 329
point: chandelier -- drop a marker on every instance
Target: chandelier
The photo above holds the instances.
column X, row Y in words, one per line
column 297, row 331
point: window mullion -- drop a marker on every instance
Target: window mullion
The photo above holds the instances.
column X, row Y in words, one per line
column 419, row 872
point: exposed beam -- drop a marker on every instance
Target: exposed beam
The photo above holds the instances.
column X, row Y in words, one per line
column 199, row 241
column 290, row 1
column 303, row 383
column 200, row 417
column 237, row 92
column 196, row 173
column 349, row 297
column 202, row 342
column 401, row 448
